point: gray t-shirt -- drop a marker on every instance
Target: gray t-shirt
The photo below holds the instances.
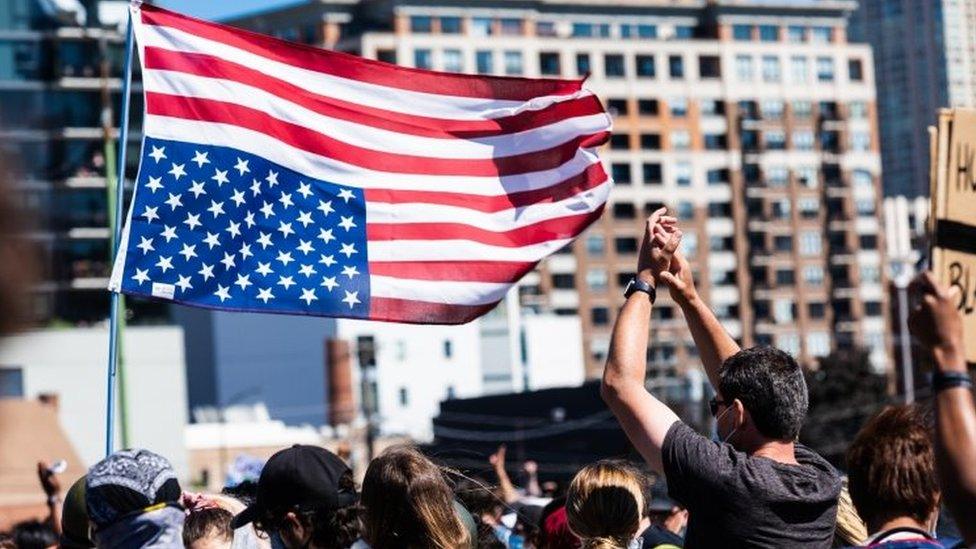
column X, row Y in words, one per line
column 737, row 500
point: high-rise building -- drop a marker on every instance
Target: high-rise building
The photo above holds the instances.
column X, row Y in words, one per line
column 755, row 121
column 54, row 95
column 761, row 137
column 924, row 59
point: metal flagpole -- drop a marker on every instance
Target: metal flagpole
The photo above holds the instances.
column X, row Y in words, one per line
column 113, row 334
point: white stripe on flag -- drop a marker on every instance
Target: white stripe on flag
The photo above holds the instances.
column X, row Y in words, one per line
column 457, row 250
column 453, row 293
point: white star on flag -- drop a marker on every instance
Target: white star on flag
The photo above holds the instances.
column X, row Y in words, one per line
column 346, row 195
column 327, row 260
column 228, row 261
column 177, row 171
column 184, row 283
column 213, row 239
column 142, row 275
column 286, row 200
column 285, row 229
column 264, row 269
column 304, row 189
column 285, row 258
column 351, row 298
column 307, row 270
column 265, row 240
column 192, row 220
column 234, row 229
column 169, row 233
column 286, row 281
column 155, row 183
column 265, row 295
column 329, row 282
column 222, row 293
column 165, row 263
column 348, row 250
column 272, row 178
column 305, row 247
column 207, row 272
column 241, row 166
column 145, row 244
column 238, row 197
column 245, row 251
column 308, row 296
column 350, row 271
column 267, row 210
column 174, row 201
column 189, row 251
column 325, row 208
column 150, row 214
column 256, row 187
column 220, row 177
column 200, row 158
column 158, row 153
column 326, row 235
column 243, row 281
column 305, row 218
column 216, row 208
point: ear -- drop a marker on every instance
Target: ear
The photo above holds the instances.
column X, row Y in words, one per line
column 294, row 526
column 740, row 415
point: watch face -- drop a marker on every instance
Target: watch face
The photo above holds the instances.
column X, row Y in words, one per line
column 630, row 288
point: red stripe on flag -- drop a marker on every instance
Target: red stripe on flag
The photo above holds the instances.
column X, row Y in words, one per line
column 423, row 312
column 222, row 112
column 536, row 233
column 460, row 271
column 364, row 70
column 214, row 67
column 593, row 176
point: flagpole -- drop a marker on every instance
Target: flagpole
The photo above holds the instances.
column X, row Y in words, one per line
column 113, row 334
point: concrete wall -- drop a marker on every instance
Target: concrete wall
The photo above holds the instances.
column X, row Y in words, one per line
column 71, row 363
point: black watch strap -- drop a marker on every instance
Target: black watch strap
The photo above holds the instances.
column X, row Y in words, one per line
column 949, row 380
column 638, row 285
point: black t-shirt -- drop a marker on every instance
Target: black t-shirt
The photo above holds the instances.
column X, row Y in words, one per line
column 736, row 500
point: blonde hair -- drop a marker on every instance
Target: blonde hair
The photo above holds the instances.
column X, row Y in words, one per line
column 605, row 503
column 408, row 503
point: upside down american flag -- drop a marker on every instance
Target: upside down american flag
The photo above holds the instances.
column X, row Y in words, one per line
column 282, row 178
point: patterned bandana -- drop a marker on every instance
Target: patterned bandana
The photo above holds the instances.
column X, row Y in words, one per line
column 128, row 482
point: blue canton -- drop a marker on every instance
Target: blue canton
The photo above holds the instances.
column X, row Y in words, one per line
column 219, row 228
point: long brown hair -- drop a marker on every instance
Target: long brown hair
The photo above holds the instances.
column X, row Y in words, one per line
column 605, row 503
column 408, row 503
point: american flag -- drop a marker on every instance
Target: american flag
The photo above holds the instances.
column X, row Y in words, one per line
column 277, row 177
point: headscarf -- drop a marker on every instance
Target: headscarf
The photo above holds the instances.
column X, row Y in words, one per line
column 157, row 528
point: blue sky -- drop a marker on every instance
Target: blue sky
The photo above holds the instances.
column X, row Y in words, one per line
column 217, row 9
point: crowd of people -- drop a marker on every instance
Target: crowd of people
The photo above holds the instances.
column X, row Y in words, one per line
column 749, row 484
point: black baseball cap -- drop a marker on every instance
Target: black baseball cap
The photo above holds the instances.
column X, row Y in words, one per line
column 301, row 476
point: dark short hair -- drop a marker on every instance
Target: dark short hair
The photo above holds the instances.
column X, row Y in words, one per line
column 34, row 534
column 207, row 522
column 891, row 467
column 770, row 385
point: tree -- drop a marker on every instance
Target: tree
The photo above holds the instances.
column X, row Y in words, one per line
column 844, row 393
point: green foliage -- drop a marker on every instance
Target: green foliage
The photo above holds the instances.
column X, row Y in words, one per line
column 844, row 393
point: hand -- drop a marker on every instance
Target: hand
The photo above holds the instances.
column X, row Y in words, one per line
column 530, row 467
column 679, row 280
column 49, row 481
column 661, row 239
column 937, row 323
column 497, row 460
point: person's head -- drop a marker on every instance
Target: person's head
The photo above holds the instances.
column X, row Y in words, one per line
column 34, row 534
column 554, row 532
column 408, row 503
column 891, row 469
column 762, row 397
column 132, row 498
column 208, row 528
column 660, row 509
column 479, row 499
column 605, row 503
column 75, row 531
column 306, row 497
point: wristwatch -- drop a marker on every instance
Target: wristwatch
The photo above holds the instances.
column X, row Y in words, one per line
column 638, row 285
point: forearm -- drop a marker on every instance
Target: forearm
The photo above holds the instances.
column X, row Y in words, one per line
column 956, row 446
column 627, row 359
column 508, row 491
column 532, row 487
column 713, row 342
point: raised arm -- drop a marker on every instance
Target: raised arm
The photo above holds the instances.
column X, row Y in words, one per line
column 937, row 324
column 644, row 418
column 713, row 342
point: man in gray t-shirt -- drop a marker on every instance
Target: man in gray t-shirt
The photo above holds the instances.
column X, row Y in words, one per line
column 756, row 487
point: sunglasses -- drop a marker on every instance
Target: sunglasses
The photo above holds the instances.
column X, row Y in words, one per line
column 714, row 403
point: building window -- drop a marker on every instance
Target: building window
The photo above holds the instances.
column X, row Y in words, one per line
column 421, row 24
column 719, row 209
column 11, row 383
column 613, row 65
column 785, row 277
column 647, row 107
column 638, row 31
column 865, row 206
column 624, row 210
column 448, row 348
column 650, row 141
column 676, row 66
column 450, row 25
column 857, row 110
column 803, row 140
column 422, row 59
column 870, row 274
column 855, row 70
column 511, row 27
column 744, row 70
column 783, row 243
column 718, row 176
column 825, row 69
column 620, row 141
column 596, row 279
column 453, row 61
column 646, row 67
column 770, row 68
column 715, row 142
column 679, row 106
column 799, row 69
column 711, row 107
column 860, row 141
column 742, row 33
column 682, row 174
column 621, row 173
column 564, row 281
column 783, row 310
column 775, row 140
column 813, row 275
column 818, row 344
column 709, row 66
column 808, row 207
column 513, row 63
column 545, row 28
column 582, row 64
column 821, row 35
column 810, row 243
column 404, row 397
column 808, row 176
column 617, row 107
column 768, row 33
column 773, row 109
column 484, row 61
column 652, row 173
column 595, row 245
column 802, row 109
column 795, row 33
column 782, row 208
column 789, row 343
column 868, row 241
column 777, row 176
column 549, row 63
column 685, row 210
column 625, row 245
column 689, row 244
column 600, row 316
column 386, row 56
column 481, row 26
column 684, row 32
column 680, row 140
column 862, row 178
